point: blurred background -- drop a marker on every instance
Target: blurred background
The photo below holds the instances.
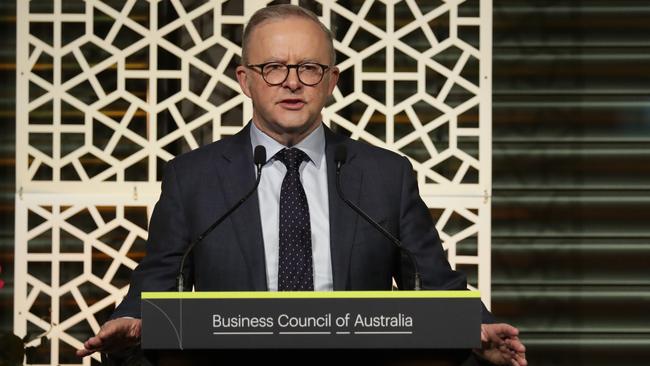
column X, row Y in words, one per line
column 571, row 176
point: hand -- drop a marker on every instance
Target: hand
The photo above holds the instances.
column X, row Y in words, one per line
column 114, row 335
column 501, row 345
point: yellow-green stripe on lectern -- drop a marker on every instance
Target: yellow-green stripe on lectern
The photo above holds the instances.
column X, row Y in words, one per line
column 310, row 295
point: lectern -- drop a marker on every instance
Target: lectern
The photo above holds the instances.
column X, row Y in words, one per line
column 317, row 327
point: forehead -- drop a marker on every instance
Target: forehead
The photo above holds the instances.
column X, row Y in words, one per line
column 289, row 39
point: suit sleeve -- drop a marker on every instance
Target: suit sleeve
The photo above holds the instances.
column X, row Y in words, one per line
column 418, row 234
column 168, row 238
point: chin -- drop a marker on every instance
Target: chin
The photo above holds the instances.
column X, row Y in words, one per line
column 293, row 123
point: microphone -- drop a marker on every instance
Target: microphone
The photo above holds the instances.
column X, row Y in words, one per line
column 340, row 156
column 259, row 157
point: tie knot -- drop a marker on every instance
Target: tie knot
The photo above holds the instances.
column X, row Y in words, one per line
column 292, row 158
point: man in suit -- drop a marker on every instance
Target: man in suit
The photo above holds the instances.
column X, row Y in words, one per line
column 295, row 233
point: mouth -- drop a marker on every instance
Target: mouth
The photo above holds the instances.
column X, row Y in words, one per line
column 292, row 103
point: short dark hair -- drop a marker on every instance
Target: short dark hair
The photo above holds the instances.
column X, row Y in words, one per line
column 283, row 11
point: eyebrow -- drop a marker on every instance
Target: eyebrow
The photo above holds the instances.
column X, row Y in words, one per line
column 284, row 61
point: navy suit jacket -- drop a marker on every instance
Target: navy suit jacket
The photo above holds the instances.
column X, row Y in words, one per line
column 201, row 185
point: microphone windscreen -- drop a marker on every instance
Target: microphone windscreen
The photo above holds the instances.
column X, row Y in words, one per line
column 341, row 154
column 260, row 155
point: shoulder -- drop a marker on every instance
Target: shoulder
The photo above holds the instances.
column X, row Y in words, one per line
column 366, row 153
column 202, row 153
column 210, row 154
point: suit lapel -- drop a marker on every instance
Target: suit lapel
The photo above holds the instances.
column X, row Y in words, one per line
column 343, row 220
column 237, row 174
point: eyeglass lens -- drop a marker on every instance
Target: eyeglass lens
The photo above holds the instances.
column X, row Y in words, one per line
column 308, row 74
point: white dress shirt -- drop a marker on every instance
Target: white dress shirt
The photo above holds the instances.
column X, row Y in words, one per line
column 313, row 175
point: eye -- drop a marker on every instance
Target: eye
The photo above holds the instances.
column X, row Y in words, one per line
column 274, row 67
column 310, row 67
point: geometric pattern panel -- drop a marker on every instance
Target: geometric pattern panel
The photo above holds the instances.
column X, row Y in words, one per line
column 108, row 91
column 76, row 255
column 412, row 83
column 134, row 83
column 464, row 228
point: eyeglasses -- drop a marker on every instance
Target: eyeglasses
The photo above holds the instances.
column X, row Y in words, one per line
column 275, row 73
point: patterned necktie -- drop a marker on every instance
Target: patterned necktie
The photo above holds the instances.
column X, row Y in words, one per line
column 295, row 272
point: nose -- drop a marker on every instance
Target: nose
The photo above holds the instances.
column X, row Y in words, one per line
column 292, row 81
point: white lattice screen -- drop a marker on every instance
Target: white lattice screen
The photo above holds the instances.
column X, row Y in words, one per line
column 133, row 83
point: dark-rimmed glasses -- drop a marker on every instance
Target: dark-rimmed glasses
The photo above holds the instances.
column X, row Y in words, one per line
column 275, row 73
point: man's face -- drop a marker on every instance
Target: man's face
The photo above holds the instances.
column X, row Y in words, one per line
column 290, row 111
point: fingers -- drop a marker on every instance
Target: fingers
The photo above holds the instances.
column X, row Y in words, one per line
column 92, row 345
column 521, row 359
column 84, row 352
column 506, row 333
column 513, row 350
column 516, row 352
column 113, row 336
column 491, row 334
column 501, row 345
column 505, row 330
column 516, row 345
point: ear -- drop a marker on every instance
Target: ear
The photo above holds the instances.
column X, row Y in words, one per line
column 333, row 79
column 242, row 77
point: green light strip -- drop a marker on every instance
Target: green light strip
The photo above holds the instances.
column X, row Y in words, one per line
column 311, row 295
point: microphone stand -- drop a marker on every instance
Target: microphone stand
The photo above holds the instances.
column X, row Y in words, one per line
column 340, row 157
column 260, row 160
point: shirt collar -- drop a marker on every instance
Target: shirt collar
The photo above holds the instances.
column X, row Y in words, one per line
column 313, row 145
